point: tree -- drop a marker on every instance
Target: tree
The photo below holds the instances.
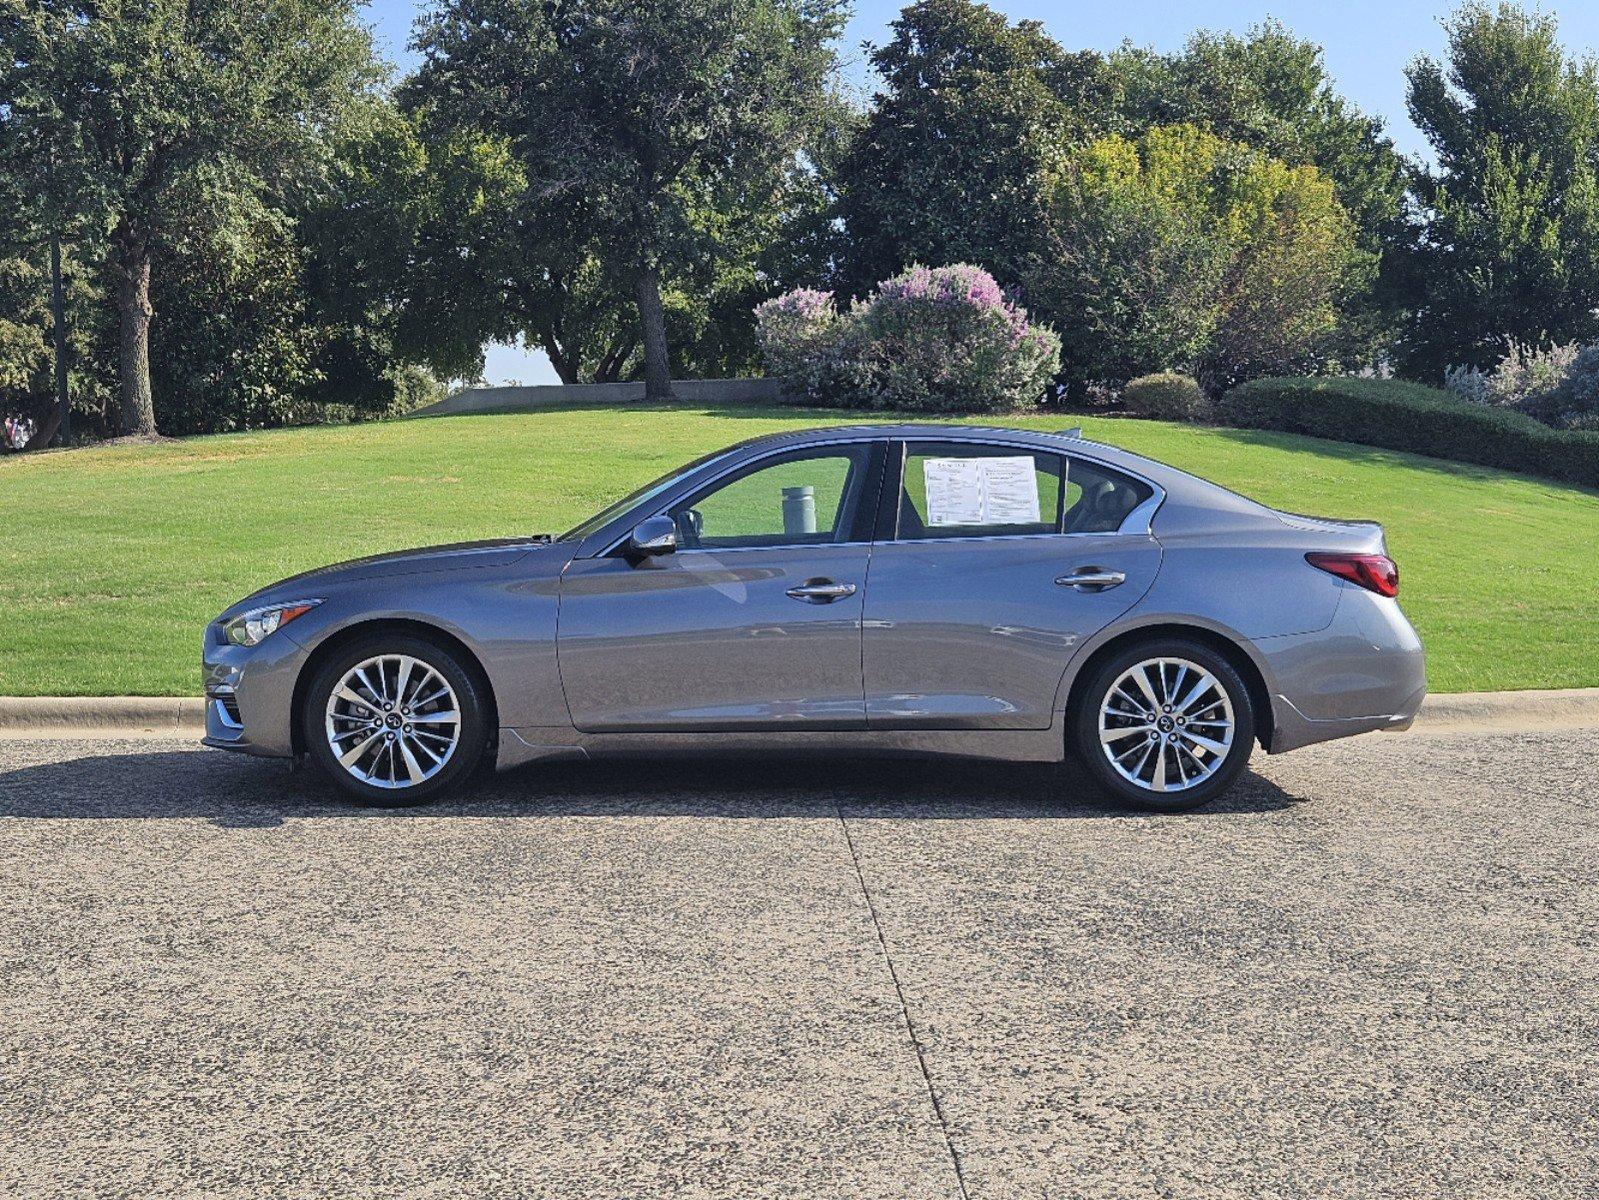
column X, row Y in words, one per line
column 174, row 125
column 1269, row 90
column 1510, row 244
column 952, row 163
column 30, row 341
column 394, row 250
column 649, row 131
column 1184, row 250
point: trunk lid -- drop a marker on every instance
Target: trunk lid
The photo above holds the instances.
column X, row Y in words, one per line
column 1357, row 537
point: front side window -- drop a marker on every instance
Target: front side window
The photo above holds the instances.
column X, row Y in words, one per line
column 951, row 490
column 810, row 497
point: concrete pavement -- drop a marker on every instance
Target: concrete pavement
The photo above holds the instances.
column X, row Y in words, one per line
column 1370, row 971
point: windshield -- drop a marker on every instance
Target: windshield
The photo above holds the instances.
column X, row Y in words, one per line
column 608, row 514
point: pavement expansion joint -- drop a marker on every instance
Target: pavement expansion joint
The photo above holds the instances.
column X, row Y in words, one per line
column 904, row 1008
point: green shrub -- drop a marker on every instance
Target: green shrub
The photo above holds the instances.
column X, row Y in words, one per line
column 1578, row 399
column 1167, row 396
column 1422, row 420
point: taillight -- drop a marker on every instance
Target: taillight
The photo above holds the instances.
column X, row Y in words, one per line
column 1374, row 572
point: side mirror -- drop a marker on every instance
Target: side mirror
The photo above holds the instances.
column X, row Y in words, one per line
column 652, row 536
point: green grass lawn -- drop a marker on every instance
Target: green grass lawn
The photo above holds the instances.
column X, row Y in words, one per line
column 112, row 559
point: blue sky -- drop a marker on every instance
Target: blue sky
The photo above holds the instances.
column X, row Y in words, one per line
column 1367, row 44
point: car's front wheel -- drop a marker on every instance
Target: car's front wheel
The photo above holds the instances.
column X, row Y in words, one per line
column 394, row 720
column 1165, row 725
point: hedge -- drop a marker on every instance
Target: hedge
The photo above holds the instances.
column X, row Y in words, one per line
column 1421, row 420
column 1167, row 397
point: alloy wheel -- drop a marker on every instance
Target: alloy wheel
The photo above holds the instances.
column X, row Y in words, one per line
column 393, row 721
column 1166, row 725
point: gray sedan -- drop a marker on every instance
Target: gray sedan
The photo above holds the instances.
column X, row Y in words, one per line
column 922, row 589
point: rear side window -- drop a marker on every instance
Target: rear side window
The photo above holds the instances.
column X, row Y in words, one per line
column 959, row 490
column 1098, row 499
column 951, row 490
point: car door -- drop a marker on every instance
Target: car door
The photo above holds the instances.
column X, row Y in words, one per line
column 1001, row 561
column 754, row 622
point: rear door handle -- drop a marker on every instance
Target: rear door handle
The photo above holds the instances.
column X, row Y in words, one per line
column 1093, row 577
column 821, row 591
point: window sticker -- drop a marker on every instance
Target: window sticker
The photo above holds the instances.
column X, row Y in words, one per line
column 981, row 491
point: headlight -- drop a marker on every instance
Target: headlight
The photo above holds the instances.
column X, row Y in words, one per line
column 250, row 628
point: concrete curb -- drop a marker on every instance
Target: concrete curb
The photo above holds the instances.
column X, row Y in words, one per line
column 171, row 716
column 1561, row 708
column 101, row 716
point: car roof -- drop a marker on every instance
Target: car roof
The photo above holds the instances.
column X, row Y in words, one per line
column 1059, row 442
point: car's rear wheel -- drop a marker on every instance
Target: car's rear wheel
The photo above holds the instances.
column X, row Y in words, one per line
column 395, row 720
column 1165, row 724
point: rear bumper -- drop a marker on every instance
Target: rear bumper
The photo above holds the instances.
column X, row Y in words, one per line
column 1366, row 671
column 1293, row 730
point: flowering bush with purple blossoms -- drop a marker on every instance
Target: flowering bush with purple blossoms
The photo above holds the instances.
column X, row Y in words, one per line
column 943, row 339
column 792, row 328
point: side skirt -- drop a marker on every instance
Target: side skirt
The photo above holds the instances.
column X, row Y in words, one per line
column 518, row 746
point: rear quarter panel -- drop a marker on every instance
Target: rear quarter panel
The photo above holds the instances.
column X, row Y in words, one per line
column 1243, row 572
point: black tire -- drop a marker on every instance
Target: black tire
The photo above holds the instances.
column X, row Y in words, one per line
column 474, row 732
column 1084, row 733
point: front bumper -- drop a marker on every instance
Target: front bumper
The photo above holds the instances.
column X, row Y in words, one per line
column 249, row 692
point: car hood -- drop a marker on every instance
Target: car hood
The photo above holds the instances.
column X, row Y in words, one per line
column 457, row 556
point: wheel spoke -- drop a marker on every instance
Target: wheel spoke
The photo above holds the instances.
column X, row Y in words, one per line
column 1140, row 676
column 349, row 757
column 412, row 770
column 449, row 716
column 430, row 698
column 1115, row 735
column 1201, row 769
column 376, row 693
column 1210, row 744
column 1143, row 760
column 403, row 679
column 1205, row 684
column 344, row 693
column 424, row 680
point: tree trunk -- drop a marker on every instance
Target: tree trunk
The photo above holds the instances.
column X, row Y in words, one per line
column 133, row 298
column 58, row 320
column 652, row 322
column 565, row 365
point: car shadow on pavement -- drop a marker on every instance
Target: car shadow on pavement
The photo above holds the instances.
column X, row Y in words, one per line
column 232, row 791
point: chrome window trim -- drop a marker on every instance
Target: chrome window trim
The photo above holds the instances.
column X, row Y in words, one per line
column 782, row 546
column 1140, row 520
column 1008, row 537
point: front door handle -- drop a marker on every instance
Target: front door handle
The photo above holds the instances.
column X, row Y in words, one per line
column 821, row 591
column 1093, row 577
